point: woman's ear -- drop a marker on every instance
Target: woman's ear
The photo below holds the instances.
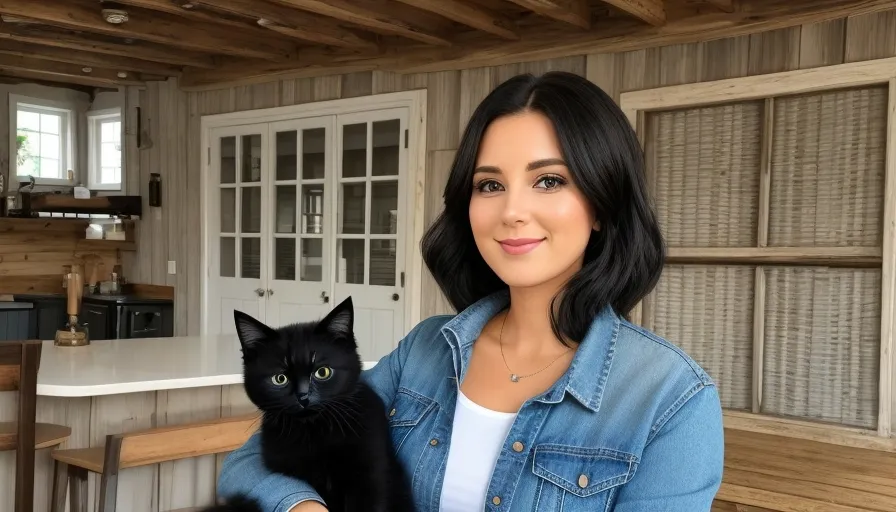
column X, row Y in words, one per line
column 596, row 226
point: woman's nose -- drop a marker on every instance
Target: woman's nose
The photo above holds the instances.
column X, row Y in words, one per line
column 517, row 206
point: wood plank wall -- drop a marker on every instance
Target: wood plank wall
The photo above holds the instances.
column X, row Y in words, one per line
column 172, row 120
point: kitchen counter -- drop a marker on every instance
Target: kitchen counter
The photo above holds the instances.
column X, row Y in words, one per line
column 109, row 367
column 114, row 299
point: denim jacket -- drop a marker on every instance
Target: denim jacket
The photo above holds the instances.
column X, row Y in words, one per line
column 634, row 425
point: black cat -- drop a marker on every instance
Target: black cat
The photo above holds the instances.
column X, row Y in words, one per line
column 320, row 423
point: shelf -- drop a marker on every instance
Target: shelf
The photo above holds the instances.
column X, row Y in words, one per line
column 73, row 226
column 107, row 245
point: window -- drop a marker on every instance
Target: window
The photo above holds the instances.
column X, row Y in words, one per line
column 775, row 194
column 43, row 138
column 104, row 158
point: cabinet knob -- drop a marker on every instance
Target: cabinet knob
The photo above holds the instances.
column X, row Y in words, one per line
column 395, row 296
column 270, row 292
column 259, row 292
column 324, row 297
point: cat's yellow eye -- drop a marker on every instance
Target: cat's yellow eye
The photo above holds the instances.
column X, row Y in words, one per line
column 323, row 373
column 279, row 379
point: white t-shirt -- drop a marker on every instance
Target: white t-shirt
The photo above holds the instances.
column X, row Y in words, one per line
column 476, row 440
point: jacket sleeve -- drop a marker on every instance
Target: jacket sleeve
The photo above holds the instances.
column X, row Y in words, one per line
column 681, row 467
column 243, row 473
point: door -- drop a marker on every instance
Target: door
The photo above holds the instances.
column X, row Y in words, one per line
column 371, row 210
column 237, row 176
column 300, row 285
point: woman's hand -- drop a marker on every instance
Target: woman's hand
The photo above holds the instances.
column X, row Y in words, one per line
column 308, row 506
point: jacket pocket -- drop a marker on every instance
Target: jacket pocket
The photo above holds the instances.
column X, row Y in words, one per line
column 574, row 479
column 406, row 412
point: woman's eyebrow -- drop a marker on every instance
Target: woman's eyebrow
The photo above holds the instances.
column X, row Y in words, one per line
column 537, row 164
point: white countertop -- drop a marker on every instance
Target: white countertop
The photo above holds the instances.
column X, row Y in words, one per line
column 109, row 367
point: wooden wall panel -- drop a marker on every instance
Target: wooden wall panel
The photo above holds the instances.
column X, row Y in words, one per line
column 453, row 95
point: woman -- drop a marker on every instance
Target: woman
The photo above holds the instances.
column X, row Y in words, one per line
column 539, row 395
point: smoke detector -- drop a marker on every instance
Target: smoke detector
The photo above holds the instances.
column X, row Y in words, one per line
column 115, row 16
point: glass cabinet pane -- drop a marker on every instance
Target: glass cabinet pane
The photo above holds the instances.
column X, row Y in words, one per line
column 354, row 208
column 382, row 262
column 228, row 159
column 312, row 259
column 285, row 259
column 250, row 160
column 228, row 210
column 384, row 207
column 286, row 209
column 313, row 154
column 312, row 209
column 287, row 155
column 350, row 261
column 251, row 210
column 250, row 258
column 386, row 143
column 354, row 150
column 228, row 257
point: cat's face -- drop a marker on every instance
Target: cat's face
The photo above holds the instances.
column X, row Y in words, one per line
column 298, row 368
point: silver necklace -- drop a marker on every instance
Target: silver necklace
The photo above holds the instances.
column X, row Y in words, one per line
column 513, row 376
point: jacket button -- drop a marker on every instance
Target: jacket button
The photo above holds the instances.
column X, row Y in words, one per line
column 433, row 442
column 517, row 447
column 392, row 413
column 583, row 481
column 496, row 500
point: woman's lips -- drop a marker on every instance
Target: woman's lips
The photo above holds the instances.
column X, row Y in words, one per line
column 517, row 246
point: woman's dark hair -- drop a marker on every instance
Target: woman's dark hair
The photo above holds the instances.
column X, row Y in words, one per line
column 623, row 260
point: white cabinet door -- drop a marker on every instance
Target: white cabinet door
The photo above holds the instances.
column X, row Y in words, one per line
column 371, row 209
column 301, row 209
column 236, row 225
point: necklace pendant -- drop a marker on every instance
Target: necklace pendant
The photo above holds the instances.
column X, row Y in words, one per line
column 514, row 377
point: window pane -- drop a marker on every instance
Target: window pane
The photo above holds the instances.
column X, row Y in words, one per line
column 107, row 130
column 49, row 146
column 28, row 121
column 110, row 175
column 251, row 158
column 350, row 262
column 353, row 208
column 50, row 123
column 111, row 155
column 28, row 145
column 386, row 140
column 228, row 159
column 49, row 168
column 354, row 150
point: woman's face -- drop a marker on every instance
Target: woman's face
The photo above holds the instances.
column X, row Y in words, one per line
column 530, row 222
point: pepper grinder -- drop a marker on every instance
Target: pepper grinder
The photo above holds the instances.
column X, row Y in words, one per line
column 74, row 334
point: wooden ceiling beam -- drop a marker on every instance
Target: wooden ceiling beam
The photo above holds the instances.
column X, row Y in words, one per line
column 144, row 51
column 83, row 58
column 471, row 16
column 160, row 28
column 368, row 16
column 292, row 23
column 648, row 11
column 29, row 67
column 722, row 5
column 608, row 37
column 574, row 12
column 192, row 14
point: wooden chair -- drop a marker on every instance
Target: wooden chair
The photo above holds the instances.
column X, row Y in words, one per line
column 141, row 448
column 766, row 472
column 19, row 363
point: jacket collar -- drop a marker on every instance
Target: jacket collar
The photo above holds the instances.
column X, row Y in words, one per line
column 587, row 374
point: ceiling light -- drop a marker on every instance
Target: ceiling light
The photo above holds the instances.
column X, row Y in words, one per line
column 115, row 16
column 188, row 5
column 122, row 74
column 264, row 22
column 86, row 69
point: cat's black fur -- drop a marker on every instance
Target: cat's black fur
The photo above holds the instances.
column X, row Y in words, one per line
column 330, row 432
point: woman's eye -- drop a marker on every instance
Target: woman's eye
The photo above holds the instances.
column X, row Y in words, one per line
column 550, row 182
column 323, row 373
column 279, row 379
column 488, row 186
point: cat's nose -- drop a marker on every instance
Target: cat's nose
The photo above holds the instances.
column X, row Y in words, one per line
column 303, row 400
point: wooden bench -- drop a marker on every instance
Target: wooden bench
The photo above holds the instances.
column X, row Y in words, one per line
column 765, row 472
column 141, row 448
column 19, row 363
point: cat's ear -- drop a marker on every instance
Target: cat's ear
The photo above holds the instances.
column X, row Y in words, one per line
column 250, row 331
column 339, row 322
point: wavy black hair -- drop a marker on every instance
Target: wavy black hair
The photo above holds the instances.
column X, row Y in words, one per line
column 623, row 260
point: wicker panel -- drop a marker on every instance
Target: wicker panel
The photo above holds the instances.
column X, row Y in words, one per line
column 822, row 344
column 707, row 311
column 827, row 174
column 704, row 166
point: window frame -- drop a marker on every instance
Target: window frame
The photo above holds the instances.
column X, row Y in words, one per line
column 94, row 148
column 637, row 104
column 67, row 151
